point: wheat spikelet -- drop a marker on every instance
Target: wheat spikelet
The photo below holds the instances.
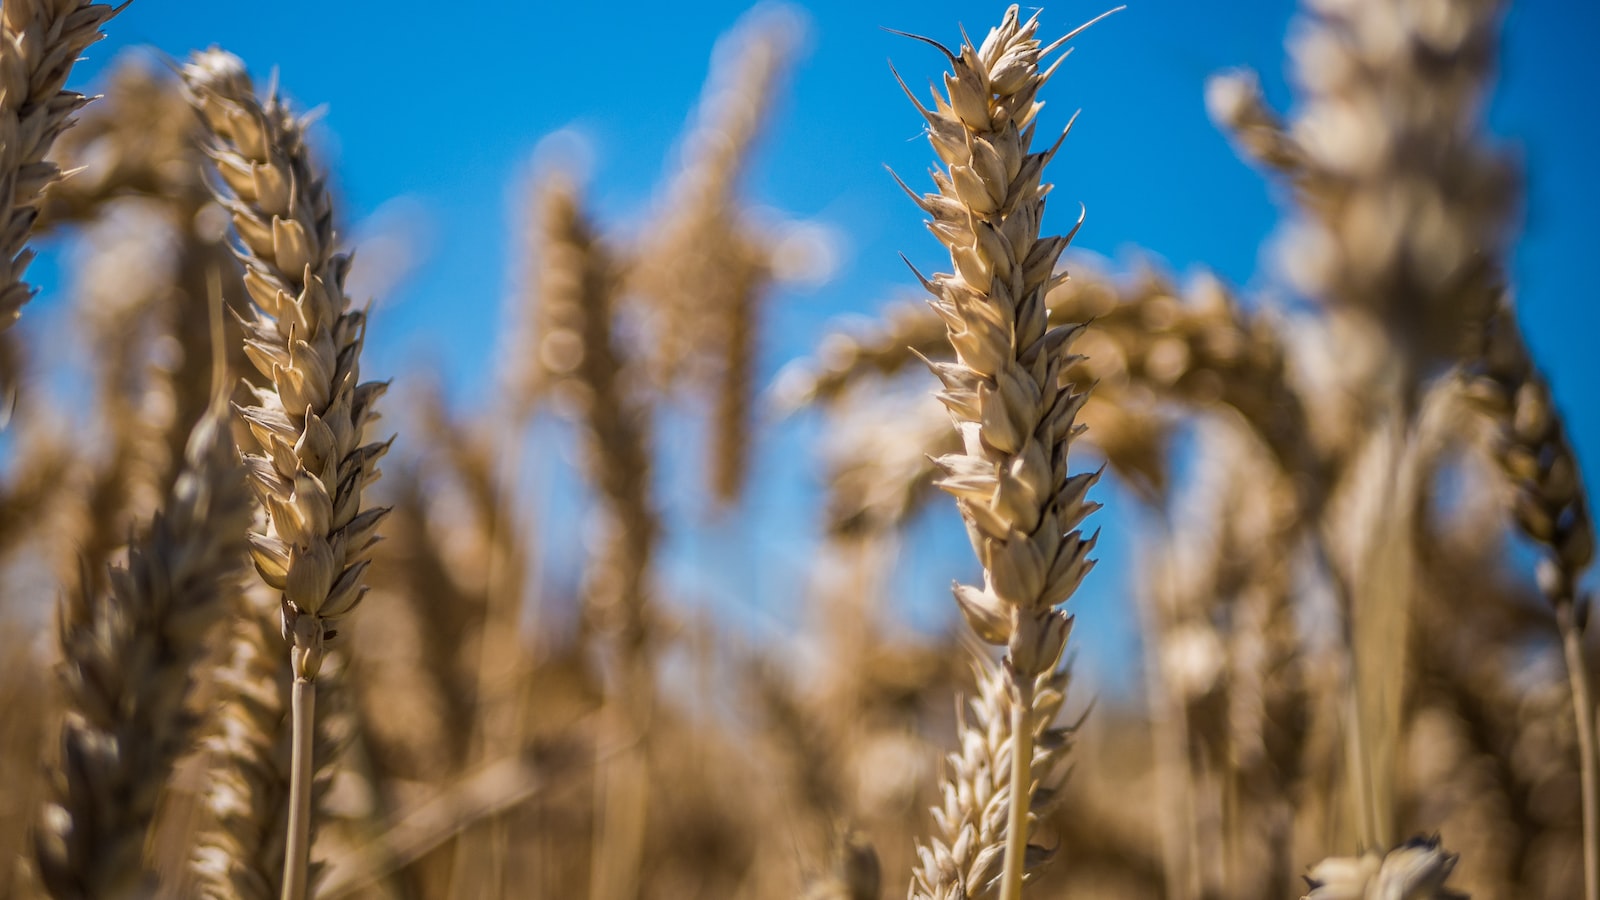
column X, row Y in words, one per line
column 1235, row 103
column 1535, row 456
column 701, row 239
column 965, row 856
column 1004, row 391
column 39, row 41
column 126, row 672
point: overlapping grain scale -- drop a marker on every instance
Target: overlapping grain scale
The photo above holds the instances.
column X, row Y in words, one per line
column 1404, row 206
column 309, row 465
column 127, row 657
column 39, row 42
column 1415, row 870
column 962, row 860
column 1005, row 389
column 238, row 854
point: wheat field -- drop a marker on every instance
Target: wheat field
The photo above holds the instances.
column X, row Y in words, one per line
column 285, row 613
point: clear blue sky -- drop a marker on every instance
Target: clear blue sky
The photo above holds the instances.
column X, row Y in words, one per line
column 443, row 105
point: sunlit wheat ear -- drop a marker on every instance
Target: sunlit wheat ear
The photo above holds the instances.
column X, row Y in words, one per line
column 1005, row 390
column 308, row 466
column 39, row 42
column 126, row 670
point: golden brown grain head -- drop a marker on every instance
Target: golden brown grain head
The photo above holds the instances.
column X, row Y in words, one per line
column 309, row 465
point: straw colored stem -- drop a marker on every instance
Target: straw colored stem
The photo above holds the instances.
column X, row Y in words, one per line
column 297, row 850
column 1583, row 714
column 1021, row 788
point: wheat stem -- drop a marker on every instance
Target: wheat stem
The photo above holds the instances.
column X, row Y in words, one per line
column 297, row 850
column 1583, row 715
column 1021, row 790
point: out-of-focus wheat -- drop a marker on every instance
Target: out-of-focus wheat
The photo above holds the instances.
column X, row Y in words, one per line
column 127, row 659
column 582, row 357
column 1415, row 870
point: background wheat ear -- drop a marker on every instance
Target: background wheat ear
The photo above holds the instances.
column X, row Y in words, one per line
column 128, row 660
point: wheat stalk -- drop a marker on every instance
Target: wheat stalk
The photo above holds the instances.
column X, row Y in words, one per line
column 309, row 465
column 1005, row 391
column 127, row 657
column 39, row 42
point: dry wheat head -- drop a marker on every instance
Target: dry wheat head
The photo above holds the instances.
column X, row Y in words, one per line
column 1005, row 390
column 309, row 465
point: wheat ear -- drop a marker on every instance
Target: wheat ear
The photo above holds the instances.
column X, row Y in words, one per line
column 309, row 466
column 39, row 42
column 1005, row 391
column 1551, row 508
column 127, row 657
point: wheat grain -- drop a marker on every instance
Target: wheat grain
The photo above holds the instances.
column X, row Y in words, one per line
column 126, row 669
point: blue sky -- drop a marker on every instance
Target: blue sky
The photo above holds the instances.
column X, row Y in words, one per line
column 433, row 112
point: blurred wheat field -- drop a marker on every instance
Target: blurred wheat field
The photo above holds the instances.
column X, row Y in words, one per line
column 239, row 663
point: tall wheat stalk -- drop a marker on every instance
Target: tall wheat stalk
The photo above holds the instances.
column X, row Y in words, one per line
column 1005, row 391
column 309, row 466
